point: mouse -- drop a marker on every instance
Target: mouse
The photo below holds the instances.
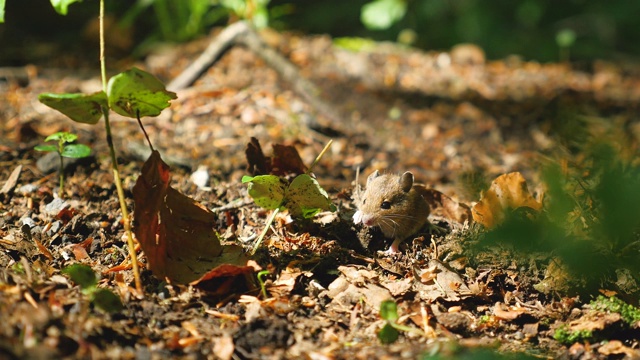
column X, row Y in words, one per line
column 392, row 203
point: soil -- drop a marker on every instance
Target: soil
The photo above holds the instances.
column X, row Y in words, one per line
column 456, row 120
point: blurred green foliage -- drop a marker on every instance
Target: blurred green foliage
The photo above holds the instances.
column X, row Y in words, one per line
column 529, row 28
column 590, row 220
column 543, row 30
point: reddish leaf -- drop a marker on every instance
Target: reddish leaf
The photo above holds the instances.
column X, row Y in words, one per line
column 175, row 232
column 258, row 164
column 286, row 160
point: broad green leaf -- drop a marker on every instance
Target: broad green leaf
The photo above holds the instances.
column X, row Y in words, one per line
column 76, row 151
column 107, row 300
column 266, row 190
column 62, row 135
column 305, row 198
column 135, row 91
column 81, row 108
column 61, row 6
column 389, row 310
column 46, row 148
column 1, row 11
column 388, row 334
column 82, row 275
column 381, row 14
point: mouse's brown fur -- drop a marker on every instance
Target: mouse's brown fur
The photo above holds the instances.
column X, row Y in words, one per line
column 392, row 203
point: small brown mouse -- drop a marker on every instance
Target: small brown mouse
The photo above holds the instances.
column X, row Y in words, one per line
column 392, row 203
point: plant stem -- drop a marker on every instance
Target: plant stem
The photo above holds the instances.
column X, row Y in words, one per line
column 114, row 162
column 264, row 231
column 61, row 177
column 324, row 150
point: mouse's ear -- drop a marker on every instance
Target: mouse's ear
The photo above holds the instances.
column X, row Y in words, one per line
column 406, row 181
column 373, row 175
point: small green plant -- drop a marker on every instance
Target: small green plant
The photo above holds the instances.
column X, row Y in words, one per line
column 303, row 197
column 103, row 299
column 391, row 329
column 629, row 313
column 133, row 93
column 567, row 337
column 65, row 149
column 261, row 276
column 565, row 39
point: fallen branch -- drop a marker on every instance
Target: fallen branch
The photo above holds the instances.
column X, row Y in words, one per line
column 241, row 33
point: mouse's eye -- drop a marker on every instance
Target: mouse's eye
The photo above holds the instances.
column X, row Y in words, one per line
column 385, row 205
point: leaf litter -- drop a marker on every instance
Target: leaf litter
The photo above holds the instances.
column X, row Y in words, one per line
column 324, row 286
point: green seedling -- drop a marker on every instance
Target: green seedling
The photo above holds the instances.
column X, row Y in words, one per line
column 261, row 276
column 65, row 149
column 391, row 329
column 133, row 93
column 103, row 299
column 303, row 197
column 565, row 39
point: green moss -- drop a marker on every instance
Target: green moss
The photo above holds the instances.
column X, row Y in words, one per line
column 629, row 313
column 567, row 337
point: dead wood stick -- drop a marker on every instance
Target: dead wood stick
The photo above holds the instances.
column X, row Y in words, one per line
column 241, row 33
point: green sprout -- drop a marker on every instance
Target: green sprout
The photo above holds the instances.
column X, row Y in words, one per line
column 391, row 329
column 261, row 276
column 65, row 149
column 303, row 197
column 103, row 299
column 565, row 39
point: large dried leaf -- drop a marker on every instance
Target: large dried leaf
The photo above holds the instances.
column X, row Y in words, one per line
column 442, row 205
column 176, row 233
column 507, row 193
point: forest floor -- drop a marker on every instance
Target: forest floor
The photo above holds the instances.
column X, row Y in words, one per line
column 454, row 119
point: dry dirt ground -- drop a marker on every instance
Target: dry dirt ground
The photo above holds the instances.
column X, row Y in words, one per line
column 453, row 119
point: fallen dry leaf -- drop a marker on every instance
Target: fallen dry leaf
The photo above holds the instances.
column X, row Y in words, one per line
column 177, row 234
column 507, row 192
column 285, row 160
column 11, row 181
column 444, row 206
column 615, row 347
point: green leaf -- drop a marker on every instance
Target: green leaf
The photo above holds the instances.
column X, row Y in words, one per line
column 46, row 148
column 86, row 109
column 136, row 90
column 389, row 310
column 76, row 151
column 1, row 11
column 62, row 135
column 266, row 190
column 81, row 275
column 381, row 14
column 61, row 6
column 305, row 198
column 107, row 301
column 388, row 334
